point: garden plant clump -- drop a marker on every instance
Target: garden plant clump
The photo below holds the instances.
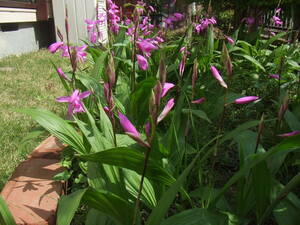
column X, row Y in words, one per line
column 196, row 129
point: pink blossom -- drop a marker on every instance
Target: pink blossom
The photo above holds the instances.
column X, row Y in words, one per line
column 204, row 23
column 146, row 47
column 218, row 77
column 80, row 53
column 245, row 100
column 277, row 21
column 142, row 61
column 199, row 101
column 75, row 104
column 55, row 46
column 293, row 133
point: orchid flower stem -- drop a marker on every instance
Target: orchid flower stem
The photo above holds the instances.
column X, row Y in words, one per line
column 138, row 199
column 134, row 54
column 221, row 123
column 113, row 120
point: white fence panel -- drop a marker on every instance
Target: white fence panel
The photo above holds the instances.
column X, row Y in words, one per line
column 78, row 11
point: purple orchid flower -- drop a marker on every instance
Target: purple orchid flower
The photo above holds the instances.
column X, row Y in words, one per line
column 166, row 88
column 245, row 100
column 75, row 104
column 80, row 53
column 142, row 61
column 218, row 77
column 166, row 110
column 199, row 101
column 146, row 47
column 55, row 46
column 293, row 133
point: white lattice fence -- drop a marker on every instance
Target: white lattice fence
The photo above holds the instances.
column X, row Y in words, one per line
column 78, row 11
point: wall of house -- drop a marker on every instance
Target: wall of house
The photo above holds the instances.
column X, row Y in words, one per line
column 19, row 38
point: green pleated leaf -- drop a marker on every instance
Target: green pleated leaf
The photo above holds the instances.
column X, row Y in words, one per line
column 120, row 210
column 199, row 113
column 158, row 213
column 67, row 207
column 253, row 61
column 139, row 100
column 133, row 180
column 291, row 143
column 196, row 216
column 131, row 159
column 58, row 127
column 5, row 216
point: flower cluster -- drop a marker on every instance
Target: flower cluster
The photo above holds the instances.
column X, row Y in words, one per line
column 113, row 17
column 77, row 51
column 173, row 18
column 93, row 32
column 276, row 20
column 204, row 23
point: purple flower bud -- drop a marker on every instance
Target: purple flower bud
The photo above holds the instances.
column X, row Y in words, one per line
column 199, row 101
column 62, row 74
column 166, row 110
column 229, row 39
column 128, row 126
column 166, row 88
column 245, row 100
column 293, row 133
column 142, row 61
column 218, row 77
column 55, row 46
column 131, row 131
column 275, row 76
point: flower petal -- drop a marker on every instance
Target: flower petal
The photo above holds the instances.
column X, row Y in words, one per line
column 84, row 94
column 166, row 88
column 166, row 110
column 63, row 99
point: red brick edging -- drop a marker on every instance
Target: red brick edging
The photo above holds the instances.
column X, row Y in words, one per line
column 30, row 193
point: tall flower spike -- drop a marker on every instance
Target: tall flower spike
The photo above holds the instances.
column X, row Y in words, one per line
column 218, row 77
column 55, row 46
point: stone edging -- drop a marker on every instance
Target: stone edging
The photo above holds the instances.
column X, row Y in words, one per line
column 31, row 194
